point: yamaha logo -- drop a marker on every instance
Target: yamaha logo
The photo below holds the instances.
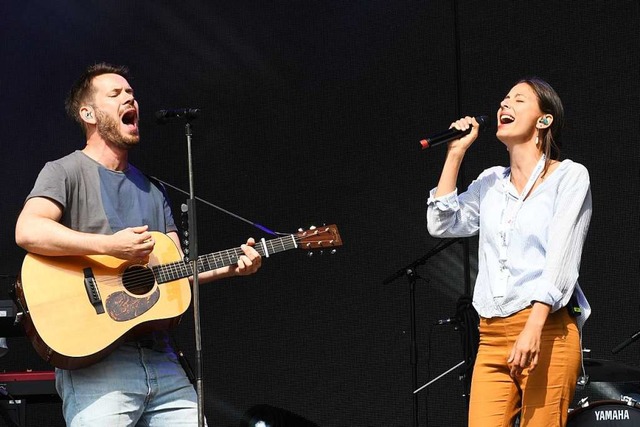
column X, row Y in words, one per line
column 612, row 414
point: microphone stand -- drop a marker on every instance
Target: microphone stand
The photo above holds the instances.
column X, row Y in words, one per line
column 192, row 253
column 412, row 277
column 439, row 376
column 193, row 257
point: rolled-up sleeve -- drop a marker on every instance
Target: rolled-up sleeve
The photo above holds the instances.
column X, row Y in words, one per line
column 453, row 215
column 441, row 212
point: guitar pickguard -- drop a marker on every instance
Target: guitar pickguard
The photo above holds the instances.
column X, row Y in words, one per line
column 122, row 306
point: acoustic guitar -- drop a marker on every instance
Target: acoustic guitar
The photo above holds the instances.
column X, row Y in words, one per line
column 77, row 309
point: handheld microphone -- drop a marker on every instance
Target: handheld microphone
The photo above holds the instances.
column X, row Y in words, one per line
column 451, row 134
column 187, row 114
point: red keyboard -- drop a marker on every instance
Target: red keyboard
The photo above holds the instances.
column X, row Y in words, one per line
column 29, row 384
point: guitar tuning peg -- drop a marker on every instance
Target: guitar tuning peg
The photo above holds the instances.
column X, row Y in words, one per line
column 310, row 254
column 313, row 227
column 333, row 251
column 300, row 230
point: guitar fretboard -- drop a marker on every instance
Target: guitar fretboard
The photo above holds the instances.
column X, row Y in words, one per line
column 180, row 269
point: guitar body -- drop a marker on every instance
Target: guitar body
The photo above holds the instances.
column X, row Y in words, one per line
column 78, row 309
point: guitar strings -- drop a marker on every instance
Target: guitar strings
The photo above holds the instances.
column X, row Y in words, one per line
column 138, row 279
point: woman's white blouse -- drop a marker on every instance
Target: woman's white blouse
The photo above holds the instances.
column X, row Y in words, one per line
column 545, row 243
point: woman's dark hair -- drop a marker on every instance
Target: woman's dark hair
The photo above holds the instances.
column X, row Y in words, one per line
column 549, row 103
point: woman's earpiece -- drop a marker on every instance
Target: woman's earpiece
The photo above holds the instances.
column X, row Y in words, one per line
column 544, row 121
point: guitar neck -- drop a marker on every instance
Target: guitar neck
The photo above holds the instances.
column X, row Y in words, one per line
column 181, row 269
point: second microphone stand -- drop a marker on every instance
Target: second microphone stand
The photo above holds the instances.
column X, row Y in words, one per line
column 412, row 276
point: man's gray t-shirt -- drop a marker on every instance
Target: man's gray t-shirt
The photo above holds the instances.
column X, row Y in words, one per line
column 95, row 199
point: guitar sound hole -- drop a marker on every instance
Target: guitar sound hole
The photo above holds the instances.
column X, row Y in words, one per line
column 138, row 279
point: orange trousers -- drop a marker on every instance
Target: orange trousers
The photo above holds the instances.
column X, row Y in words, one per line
column 541, row 397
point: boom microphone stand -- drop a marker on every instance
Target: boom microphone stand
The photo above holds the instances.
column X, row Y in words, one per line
column 412, row 277
column 626, row 343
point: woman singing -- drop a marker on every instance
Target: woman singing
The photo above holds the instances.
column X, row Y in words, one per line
column 532, row 218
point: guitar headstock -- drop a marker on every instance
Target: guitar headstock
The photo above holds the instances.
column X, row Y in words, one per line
column 326, row 236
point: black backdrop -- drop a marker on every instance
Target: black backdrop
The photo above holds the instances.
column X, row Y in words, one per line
column 311, row 113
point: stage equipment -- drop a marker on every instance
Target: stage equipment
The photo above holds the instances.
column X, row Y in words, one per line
column 410, row 271
column 610, row 413
column 626, row 343
column 187, row 115
column 19, row 388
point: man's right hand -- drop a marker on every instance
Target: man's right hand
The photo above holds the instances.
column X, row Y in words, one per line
column 133, row 243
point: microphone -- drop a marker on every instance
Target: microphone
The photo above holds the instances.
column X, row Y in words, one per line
column 451, row 134
column 188, row 114
column 449, row 321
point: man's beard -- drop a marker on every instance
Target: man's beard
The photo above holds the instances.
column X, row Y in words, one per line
column 109, row 130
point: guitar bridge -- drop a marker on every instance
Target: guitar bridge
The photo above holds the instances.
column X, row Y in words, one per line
column 92, row 290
